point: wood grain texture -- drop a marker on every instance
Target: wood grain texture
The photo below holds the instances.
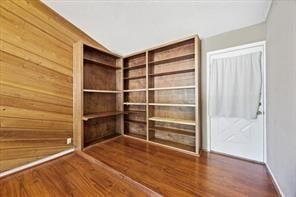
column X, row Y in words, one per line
column 172, row 173
column 36, row 81
column 71, row 175
column 100, row 110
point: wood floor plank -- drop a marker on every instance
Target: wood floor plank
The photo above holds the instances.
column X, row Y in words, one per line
column 171, row 173
column 72, row 175
column 129, row 167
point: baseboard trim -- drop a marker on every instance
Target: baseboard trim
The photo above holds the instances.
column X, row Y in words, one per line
column 275, row 183
column 34, row 163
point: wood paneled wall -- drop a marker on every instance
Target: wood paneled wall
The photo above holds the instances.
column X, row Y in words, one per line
column 35, row 81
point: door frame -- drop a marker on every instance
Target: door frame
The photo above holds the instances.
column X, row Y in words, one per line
column 210, row 54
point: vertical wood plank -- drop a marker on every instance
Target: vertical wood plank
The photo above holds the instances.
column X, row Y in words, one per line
column 147, row 97
column 78, row 95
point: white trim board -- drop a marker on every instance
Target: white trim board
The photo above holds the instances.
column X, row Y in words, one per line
column 34, row 163
column 249, row 48
column 275, row 183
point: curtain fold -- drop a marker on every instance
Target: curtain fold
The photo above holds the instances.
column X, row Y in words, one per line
column 235, row 86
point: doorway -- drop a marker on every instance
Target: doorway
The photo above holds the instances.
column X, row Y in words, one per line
column 239, row 137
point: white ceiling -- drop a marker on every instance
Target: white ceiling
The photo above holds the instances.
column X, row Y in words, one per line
column 127, row 26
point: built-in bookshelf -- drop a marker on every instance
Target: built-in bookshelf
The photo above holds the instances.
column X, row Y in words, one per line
column 98, row 95
column 134, row 82
column 162, row 95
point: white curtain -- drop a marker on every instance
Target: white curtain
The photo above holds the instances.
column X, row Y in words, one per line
column 235, row 86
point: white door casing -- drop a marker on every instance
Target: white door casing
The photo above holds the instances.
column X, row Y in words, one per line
column 236, row 136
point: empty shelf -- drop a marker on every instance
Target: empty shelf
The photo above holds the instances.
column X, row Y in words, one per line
column 172, row 105
column 87, row 59
column 173, row 144
column 135, row 67
column 135, row 121
column 173, row 130
column 172, row 88
column 173, row 59
column 136, row 135
column 135, row 90
column 172, row 72
column 172, row 120
column 101, row 139
column 134, row 103
column 102, row 91
column 134, row 111
column 136, row 77
column 100, row 115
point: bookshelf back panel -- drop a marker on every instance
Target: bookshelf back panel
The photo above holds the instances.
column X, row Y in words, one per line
column 98, row 77
column 99, row 56
column 94, row 103
column 135, row 84
column 186, row 113
column 135, row 60
column 172, row 66
column 172, row 51
column 181, row 79
column 135, row 72
column 180, row 96
column 95, row 129
column 137, row 117
column 182, row 139
column 135, row 97
column 134, row 108
column 135, row 128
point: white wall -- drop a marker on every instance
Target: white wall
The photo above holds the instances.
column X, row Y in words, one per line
column 238, row 37
column 281, row 94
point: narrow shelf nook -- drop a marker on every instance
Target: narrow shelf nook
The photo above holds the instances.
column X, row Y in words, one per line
column 96, row 62
column 173, row 130
column 100, row 115
column 172, row 104
column 102, row 91
column 172, row 59
column 97, row 95
column 173, row 88
column 171, row 72
column 173, row 120
column 173, row 144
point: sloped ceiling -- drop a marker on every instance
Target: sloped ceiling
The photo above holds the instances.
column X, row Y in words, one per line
column 128, row 26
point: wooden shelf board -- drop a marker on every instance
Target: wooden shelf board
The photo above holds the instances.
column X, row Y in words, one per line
column 173, row 59
column 136, row 77
column 135, row 121
column 173, row 144
column 136, row 135
column 135, row 90
column 172, row 120
column 135, row 67
column 172, row 104
column 103, row 91
column 99, row 63
column 100, row 115
column 101, row 139
column 172, row 72
column 134, row 111
column 126, row 103
column 172, row 88
column 173, row 130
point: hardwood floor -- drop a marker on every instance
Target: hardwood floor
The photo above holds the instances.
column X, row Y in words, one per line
column 172, row 173
column 71, row 175
column 128, row 167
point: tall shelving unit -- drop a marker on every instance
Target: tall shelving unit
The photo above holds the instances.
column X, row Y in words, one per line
column 97, row 95
column 134, row 80
column 162, row 95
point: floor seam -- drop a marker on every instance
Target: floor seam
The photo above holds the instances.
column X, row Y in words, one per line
column 95, row 161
